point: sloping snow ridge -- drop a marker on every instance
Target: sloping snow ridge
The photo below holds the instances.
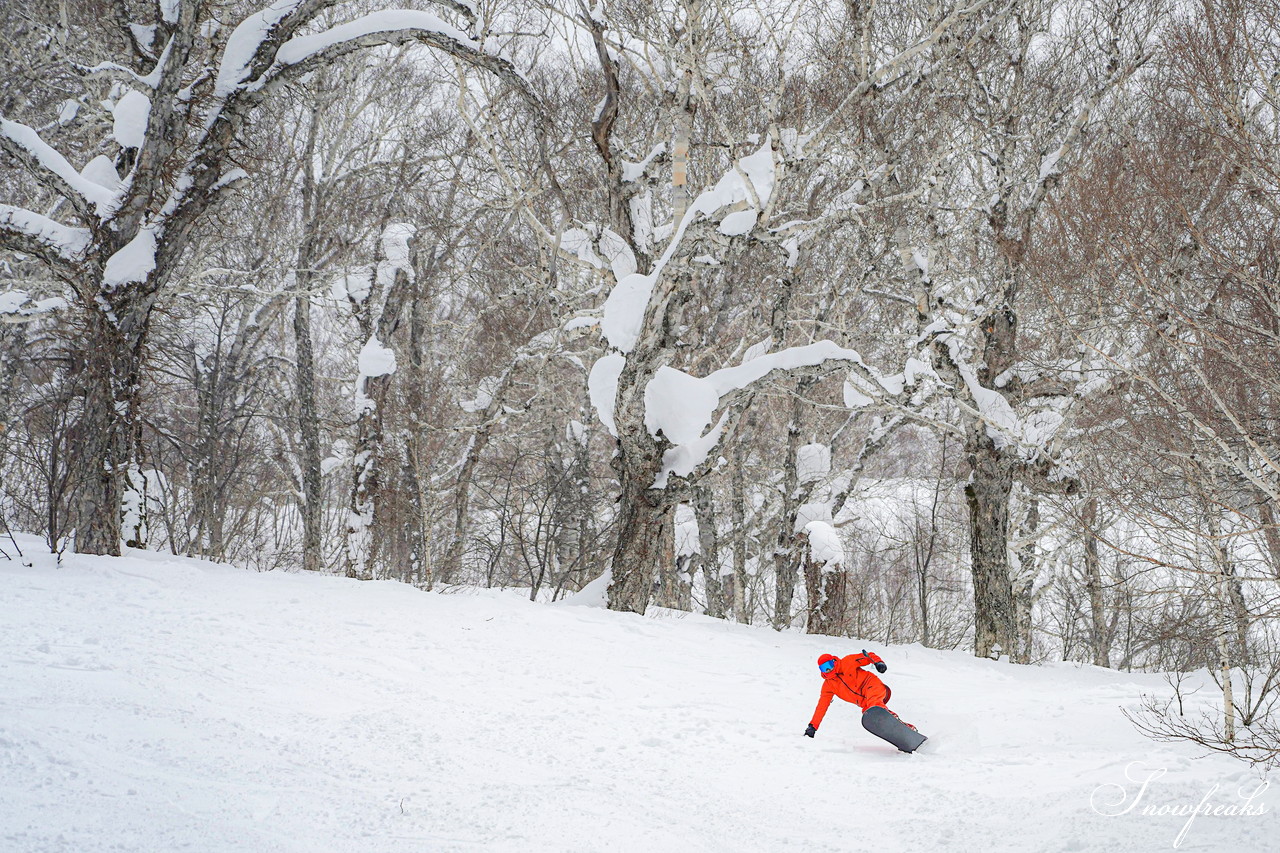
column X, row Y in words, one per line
column 154, row 703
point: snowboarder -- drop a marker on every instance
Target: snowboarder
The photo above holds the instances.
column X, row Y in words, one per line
column 844, row 677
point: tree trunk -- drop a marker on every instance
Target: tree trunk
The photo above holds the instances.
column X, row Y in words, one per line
column 785, row 566
column 1024, row 595
column 739, row 524
column 1270, row 533
column 987, row 495
column 644, row 516
column 674, row 589
column 305, row 362
column 106, row 433
column 922, row 600
column 308, row 429
column 828, row 593
column 1101, row 635
column 364, row 490
column 709, row 548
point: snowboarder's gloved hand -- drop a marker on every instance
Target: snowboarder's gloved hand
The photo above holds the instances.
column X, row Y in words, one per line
column 880, row 665
column 810, row 731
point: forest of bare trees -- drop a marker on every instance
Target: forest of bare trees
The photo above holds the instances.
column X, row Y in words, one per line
column 944, row 322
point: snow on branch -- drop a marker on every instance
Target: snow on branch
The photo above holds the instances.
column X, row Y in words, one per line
column 301, row 48
column 397, row 26
column 826, row 549
column 680, row 407
column 265, row 51
column 744, row 192
column 245, row 42
column 26, row 231
column 16, row 306
column 53, row 170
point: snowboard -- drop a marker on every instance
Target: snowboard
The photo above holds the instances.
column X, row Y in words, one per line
column 884, row 725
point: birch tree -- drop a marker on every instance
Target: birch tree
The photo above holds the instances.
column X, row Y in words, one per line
column 186, row 90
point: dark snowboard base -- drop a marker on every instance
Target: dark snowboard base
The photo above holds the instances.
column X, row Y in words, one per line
column 884, row 725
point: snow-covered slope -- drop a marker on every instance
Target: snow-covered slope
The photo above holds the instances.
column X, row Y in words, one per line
column 157, row 704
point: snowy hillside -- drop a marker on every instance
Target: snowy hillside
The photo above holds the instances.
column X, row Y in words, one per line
column 156, row 704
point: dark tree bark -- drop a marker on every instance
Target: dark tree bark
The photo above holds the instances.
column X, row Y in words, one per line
column 828, row 594
column 106, row 431
column 643, row 521
column 737, row 511
column 987, row 495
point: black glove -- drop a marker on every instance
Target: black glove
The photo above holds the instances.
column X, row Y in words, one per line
column 810, row 731
column 881, row 666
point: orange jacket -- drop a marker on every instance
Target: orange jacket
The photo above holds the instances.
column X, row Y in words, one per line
column 852, row 684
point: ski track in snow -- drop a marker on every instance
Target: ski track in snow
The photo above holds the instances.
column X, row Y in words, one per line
column 154, row 703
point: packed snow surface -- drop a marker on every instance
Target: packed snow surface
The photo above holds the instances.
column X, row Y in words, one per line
column 153, row 703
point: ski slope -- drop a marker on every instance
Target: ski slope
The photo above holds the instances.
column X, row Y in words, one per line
column 152, row 703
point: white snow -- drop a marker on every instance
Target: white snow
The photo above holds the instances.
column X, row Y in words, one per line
column 1049, row 165
column 624, row 310
column 622, row 262
column 853, row 388
column 825, row 545
column 683, row 459
column 68, row 111
column 103, row 200
column 578, row 242
column 682, row 406
column 678, row 405
column 686, row 531
column 632, row 172
column 15, row 304
column 738, row 223
column 581, row 323
column 1002, row 423
column 154, row 703
column 374, row 360
column 813, row 462
column 629, row 298
column 102, row 172
column 68, row 241
column 485, row 389
column 617, row 255
column 759, row 168
column 146, row 35
column 395, row 246
column 602, row 388
column 129, row 123
column 299, row 48
column 354, row 286
column 244, row 42
column 133, row 262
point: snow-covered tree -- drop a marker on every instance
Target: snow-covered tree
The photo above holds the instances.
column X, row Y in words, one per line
column 184, row 87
